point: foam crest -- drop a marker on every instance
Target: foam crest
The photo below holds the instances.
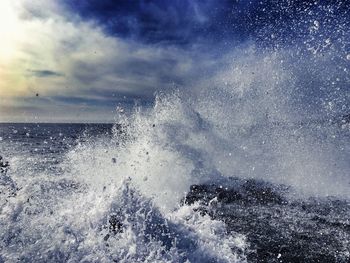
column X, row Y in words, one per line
column 64, row 222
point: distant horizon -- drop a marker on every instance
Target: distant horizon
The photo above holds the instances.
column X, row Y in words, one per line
column 58, row 123
column 311, row 119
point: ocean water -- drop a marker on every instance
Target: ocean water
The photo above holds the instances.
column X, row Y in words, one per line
column 175, row 183
column 252, row 165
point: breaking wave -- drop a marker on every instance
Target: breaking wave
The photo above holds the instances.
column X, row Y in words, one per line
column 268, row 115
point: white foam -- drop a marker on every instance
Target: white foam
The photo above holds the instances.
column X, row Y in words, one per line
column 242, row 126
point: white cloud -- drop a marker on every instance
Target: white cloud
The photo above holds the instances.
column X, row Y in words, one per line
column 54, row 53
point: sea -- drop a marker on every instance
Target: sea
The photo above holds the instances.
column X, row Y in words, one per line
column 173, row 183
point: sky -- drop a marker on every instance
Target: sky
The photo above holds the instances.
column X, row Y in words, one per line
column 77, row 60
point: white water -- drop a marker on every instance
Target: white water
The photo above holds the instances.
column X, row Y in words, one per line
column 244, row 125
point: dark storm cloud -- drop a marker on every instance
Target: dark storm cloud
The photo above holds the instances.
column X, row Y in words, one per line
column 178, row 22
column 99, row 99
column 185, row 21
column 45, row 73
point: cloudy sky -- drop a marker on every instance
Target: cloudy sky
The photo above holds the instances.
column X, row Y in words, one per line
column 76, row 60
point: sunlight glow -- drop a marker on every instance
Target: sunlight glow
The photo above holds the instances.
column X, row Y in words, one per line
column 11, row 34
column 11, row 31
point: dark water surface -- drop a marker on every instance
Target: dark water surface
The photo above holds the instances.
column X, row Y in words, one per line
column 36, row 193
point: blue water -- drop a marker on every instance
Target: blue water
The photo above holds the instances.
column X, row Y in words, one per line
column 251, row 166
column 118, row 193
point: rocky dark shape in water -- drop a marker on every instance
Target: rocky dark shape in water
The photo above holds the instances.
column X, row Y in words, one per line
column 8, row 187
column 115, row 226
column 241, row 191
column 279, row 229
column 341, row 120
column 3, row 165
column 345, row 118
